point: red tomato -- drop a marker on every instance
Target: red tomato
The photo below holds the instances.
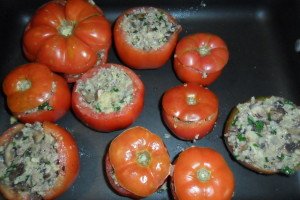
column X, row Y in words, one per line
column 68, row 36
column 112, row 120
column 202, row 173
column 34, row 93
column 137, row 163
column 200, row 58
column 190, row 111
column 139, row 58
column 68, row 161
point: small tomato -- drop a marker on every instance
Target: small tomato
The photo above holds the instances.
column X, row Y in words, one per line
column 200, row 58
column 202, row 173
column 145, row 37
column 190, row 110
column 137, row 163
column 34, row 93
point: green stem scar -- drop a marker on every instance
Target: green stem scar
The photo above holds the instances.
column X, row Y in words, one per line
column 23, row 85
column 144, row 158
column 204, row 50
column 191, row 99
column 66, row 28
column 203, row 174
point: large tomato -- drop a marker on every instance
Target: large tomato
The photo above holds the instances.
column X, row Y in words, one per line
column 139, row 58
column 190, row 110
column 200, row 58
column 202, row 173
column 34, row 93
column 68, row 36
column 137, row 163
column 68, row 160
column 108, row 121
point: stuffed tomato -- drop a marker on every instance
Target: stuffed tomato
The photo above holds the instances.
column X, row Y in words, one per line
column 190, row 111
column 145, row 37
column 108, row 97
column 69, row 37
column 137, row 163
column 38, row 161
column 200, row 58
column 34, row 93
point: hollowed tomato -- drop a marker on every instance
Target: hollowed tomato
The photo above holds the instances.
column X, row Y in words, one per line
column 137, row 163
column 190, row 110
column 68, row 36
column 145, row 37
column 67, row 162
column 108, row 97
column 34, row 93
column 202, row 173
column 200, row 58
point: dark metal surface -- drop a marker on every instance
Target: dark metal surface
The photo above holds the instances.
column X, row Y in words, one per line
column 261, row 37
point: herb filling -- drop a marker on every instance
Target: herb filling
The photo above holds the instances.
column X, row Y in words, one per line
column 29, row 163
column 109, row 90
column 148, row 29
column 266, row 134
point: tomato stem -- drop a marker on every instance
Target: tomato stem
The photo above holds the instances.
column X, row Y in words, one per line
column 66, row 28
column 143, row 158
column 191, row 99
column 204, row 51
column 203, row 174
column 23, row 85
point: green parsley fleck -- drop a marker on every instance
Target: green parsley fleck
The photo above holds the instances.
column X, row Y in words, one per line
column 45, row 106
column 287, row 171
column 241, row 137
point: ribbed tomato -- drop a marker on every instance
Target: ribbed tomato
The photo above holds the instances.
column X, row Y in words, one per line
column 190, row 110
column 68, row 36
column 200, row 58
column 34, row 93
column 202, row 173
column 137, row 163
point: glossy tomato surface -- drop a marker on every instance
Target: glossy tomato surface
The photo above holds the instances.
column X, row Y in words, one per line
column 139, row 58
column 200, row 58
column 68, row 36
column 112, row 121
column 202, row 173
column 190, row 110
column 140, row 162
column 68, row 160
column 34, row 93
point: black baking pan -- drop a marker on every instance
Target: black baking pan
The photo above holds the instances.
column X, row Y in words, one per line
column 262, row 36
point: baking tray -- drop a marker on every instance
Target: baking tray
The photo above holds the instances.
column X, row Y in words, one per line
column 262, row 37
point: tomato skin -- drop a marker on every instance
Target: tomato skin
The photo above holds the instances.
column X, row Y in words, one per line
column 200, row 58
column 41, row 81
column 137, row 58
column 72, row 50
column 194, row 161
column 68, row 157
column 190, row 110
column 107, row 122
column 141, row 177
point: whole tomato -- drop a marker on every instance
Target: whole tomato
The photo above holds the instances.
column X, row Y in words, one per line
column 136, row 53
column 200, row 58
column 34, row 93
column 102, row 100
column 202, row 173
column 190, row 110
column 68, row 161
column 68, row 36
column 137, row 163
